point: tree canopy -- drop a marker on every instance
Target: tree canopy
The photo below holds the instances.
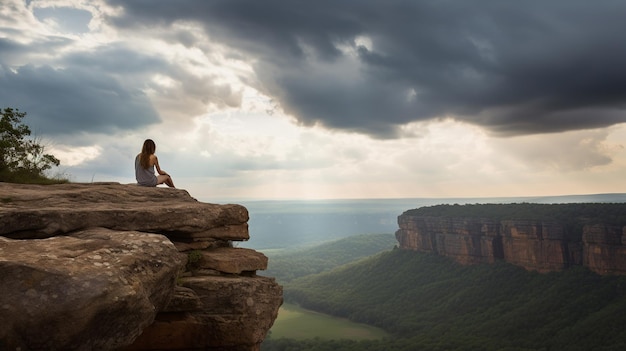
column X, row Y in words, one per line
column 22, row 159
column 430, row 302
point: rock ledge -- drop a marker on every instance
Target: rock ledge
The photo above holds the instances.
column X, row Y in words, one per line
column 120, row 267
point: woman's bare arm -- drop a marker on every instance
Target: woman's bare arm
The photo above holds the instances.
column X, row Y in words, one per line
column 158, row 168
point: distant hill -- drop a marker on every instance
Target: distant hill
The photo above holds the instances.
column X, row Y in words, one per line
column 286, row 265
column 433, row 303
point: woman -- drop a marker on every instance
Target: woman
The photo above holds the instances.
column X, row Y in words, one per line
column 144, row 167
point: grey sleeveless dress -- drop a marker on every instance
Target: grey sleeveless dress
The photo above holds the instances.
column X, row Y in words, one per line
column 144, row 176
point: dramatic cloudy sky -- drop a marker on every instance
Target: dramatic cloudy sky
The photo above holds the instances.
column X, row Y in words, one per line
column 327, row 98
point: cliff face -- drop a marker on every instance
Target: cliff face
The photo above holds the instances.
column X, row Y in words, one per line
column 122, row 267
column 533, row 244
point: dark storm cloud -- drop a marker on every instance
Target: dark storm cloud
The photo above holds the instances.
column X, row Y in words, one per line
column 8, row 48
column 95, row 91
column 117, row 59
column 14, row 53
column 65, row 101
column 518, row 67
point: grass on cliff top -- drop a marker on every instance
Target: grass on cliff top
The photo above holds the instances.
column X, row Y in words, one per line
column 609, row 213
column 31, row 178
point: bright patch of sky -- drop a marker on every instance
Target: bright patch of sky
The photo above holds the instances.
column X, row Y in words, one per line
column 64, row 19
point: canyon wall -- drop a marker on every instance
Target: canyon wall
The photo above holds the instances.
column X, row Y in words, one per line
column 120, row 267
column 540, row 245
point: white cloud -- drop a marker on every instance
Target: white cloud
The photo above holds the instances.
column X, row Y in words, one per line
column 75, row 155
column 562, row 152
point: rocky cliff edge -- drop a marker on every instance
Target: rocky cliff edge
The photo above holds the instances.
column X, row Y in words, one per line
column 535, row 244
column 107, row 266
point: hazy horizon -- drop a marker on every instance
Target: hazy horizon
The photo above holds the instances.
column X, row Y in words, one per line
column 276, row 224
column 556, row 196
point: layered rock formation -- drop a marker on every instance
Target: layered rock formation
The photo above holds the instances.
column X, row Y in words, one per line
column 541, row 245
column 604, row 248
column 122, row 267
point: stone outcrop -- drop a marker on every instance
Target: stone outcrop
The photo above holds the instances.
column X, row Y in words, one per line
column 106, row 266
column 31, row 212
column 540, row 245
column 95, row 289
column 604, row 248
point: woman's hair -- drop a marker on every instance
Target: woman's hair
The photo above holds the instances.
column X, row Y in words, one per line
column 147, row 149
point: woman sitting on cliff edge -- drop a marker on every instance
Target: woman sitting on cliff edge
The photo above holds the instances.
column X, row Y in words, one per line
column 144, row 167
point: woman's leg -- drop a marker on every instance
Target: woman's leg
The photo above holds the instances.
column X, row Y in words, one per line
column 169, row 182
column 161, row 178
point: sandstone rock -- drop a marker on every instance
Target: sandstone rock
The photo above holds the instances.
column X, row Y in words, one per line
column 467, row 240
column 533, row 254
column 602, row 234
column 184, row 300
column 198, row 245
column 40, row 211
column 236, row 232
column 96, row 289
column 536, row 245
column 533, row 244
column 230, row 306
column 233, row 260
column 603, row 250
column 532, row 229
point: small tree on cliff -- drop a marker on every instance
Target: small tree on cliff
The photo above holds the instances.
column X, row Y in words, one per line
column 21, row 159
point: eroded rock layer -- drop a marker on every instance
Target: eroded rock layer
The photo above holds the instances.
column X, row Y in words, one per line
column 540, row 245
column 110, row 267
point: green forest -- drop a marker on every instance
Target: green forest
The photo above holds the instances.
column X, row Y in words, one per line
column 571, row 213
column 288, row 264
column 428, row 302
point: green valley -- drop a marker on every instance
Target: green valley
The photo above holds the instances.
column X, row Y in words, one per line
column 427, row 302
column 288, row 264
column 297, row 323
